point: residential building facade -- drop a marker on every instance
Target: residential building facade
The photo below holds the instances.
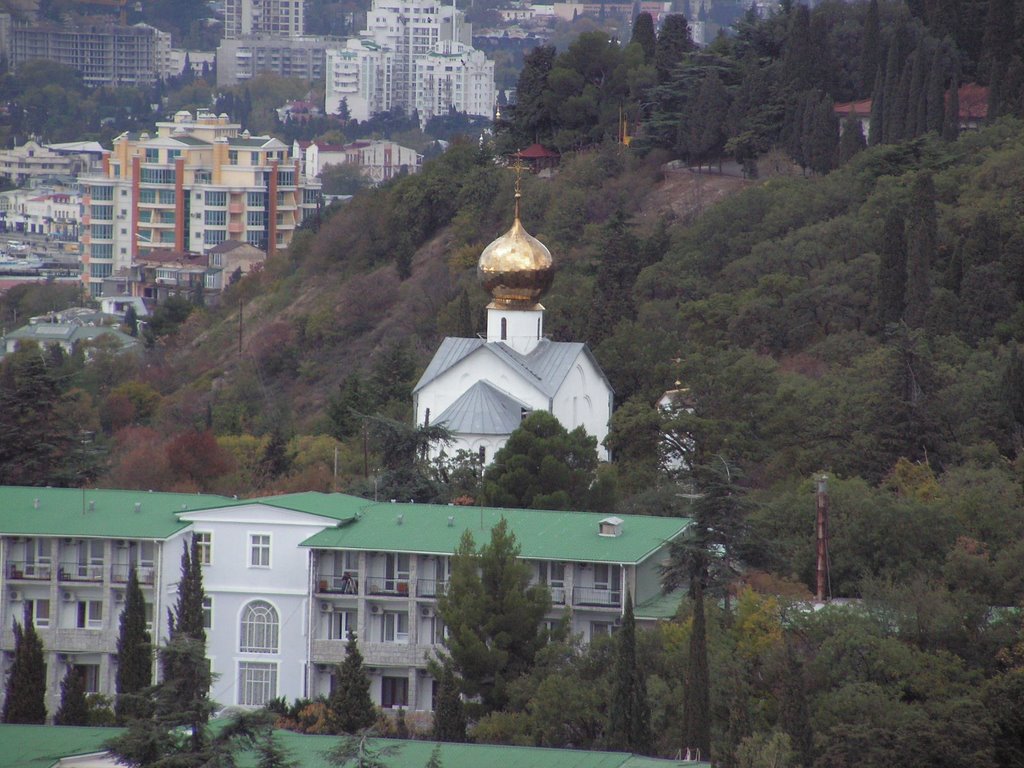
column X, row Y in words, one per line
column 287, row 577
column 199, row 182
column 274, row 18
column 32, row 161
column 243, row 58
column 377, row 160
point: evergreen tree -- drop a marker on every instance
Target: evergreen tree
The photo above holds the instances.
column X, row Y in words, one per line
column 876, row 128
column 134, row 655
column 435, row 758
column 892, row 270
column 951, row 123
column 493, row 615
column 797, row 62
column 355, row 751
column 347, row 407
column 26, row 679
column 533, row 112
column 73, row 708
column 131, row 321
column 922, row 238
column 629, row 713
column 674, row 42
column 822, row 134
column 852, row 140
column 450, row 715
column 1012, row 384
column 467, row 328
column 871, row 49
column 936, row 92
column 275, row 461
column 893, row 70
column 643, row 35
column 697, row 688
column 900, row 111
column 351, row 706
column 917, row 101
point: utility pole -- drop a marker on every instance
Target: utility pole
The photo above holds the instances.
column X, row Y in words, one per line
column 239, row 328
column 823, row 591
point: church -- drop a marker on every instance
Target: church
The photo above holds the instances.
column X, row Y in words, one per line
column 482, row 388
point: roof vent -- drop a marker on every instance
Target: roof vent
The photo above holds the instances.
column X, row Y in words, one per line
column 138, row 507
column 401, row 518
column 35, row 503
column 92, row 506
column 451, row 521
column 610, row 526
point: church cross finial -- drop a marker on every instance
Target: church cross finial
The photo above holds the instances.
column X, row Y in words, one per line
column 518, row 166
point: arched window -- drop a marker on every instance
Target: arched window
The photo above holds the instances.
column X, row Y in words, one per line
column 504, row 329
column 259, row 628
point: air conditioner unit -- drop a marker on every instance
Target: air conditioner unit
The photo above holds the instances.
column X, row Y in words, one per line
column 323, row 668
column 326, row 608
column 65, row 658
column 122, row 544
column 67, row 597
column 374, row 609
column 15, row 596
column 426, row 612
column 119, row 597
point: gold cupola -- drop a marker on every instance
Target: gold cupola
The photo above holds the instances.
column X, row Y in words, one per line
column 516, row 269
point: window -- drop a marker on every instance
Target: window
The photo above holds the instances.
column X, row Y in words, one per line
column 340, row 624
column 147, row 195
column 233, row 156
column 90, row 614
column 157, row 176
column 257, row 683
column 102, row 231
column 396, row 572
column 90, row 675
column 254, row 199
column 152, row 155
column 218, row 199
column 600, row 629
column 101, row 270
column 105, row 212
column 216, row 218
column 259, row 550
column 553, row 574
column 254, row 218
column 214, row 236
column 259, row 628
column 102, row 193
column 504, row 329
column 395, row 627
column 40, row 611
column 148, row 612
column 394, row 692
column 165, row 196
column 254, row 158
column 207, row 612
column 204, row 546
column 102, row 251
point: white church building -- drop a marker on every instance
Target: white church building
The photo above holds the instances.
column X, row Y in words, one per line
column 482, row 388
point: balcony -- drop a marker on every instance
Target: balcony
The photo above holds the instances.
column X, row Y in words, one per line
column 601, row 597
column 119, row 574
column 73, row 572
column 20, row 569
column 379, row 585
column 345, row 584
column 430, row 587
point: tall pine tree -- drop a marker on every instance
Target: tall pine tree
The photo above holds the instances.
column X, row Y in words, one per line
column 73, row 708
column 922, row 238
column 643, row 35
column 134, row 655
column 891, row 286
column 350, row 704
column 450, row 715
column 629, row 713
column 674, row 42
column 26, row 680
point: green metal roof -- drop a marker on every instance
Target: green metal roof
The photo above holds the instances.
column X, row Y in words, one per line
column 337, row 506
column 40, row 746
column 660, row 606
column 542, row 535
column 99, row 513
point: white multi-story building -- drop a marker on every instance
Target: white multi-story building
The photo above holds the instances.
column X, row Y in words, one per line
column 287, row 577
column 378, row 160
column 384, row 67
column 273, row 18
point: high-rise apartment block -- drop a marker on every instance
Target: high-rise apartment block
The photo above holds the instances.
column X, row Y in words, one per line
column 196, row 183
column 274, row 18
column 413, row 54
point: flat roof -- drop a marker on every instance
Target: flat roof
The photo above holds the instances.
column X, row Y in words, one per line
column 541, row 534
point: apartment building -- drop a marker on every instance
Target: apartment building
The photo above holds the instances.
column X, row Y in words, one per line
column 274, row 18
column 104, row 53
column 198, row 182
column 286, row 578
column 377, row 159
column 243, row 58
column 413, row 54
column 32, row 161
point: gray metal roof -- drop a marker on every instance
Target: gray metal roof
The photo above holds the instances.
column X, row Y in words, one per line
column 483, row 410
column 546, row 366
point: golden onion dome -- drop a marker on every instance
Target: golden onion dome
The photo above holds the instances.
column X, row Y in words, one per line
column 516, row 268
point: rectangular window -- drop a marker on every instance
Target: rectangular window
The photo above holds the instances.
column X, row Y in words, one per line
column 207, row 612
column 102, row 193
column 173, row 154
column 259, row 550
column 233, row 156
column 254, row 218
column 165, row 196
column 166, row 237
column 90, row 614
column 147, row 196
column 254, row 158
column 90, row 674
column 102, row 231
column 254, row 237
column 214, row 236
column 254, row 199
column 101, row 270
column 217, row 199
column 340, row 624
column 394, row 692
column 152, row 155
column 257, row 683
column 102, row 251
column 204, row 546
column 215, row 218
column 157, row 176
column 40, row 611
column 104, row 212
column 395, row 627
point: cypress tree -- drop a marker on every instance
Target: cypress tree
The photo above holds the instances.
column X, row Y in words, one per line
column 871, row 49
column 936, row 92
column 876, row 126
column 901, row 107
column 450, row 715
column 955, row 269
column 917, row 101
column 852, row 141
column 951, row 124
column 822, row 137
column 673, row 44
column 134, row 655
column 73, row 709
column 797, row 61
column 467, row 329
column 891, row 91
column 629, row 713
column 922, row 235
column 643, row 35
column 26, row 681
column 892, row 270
column 697, row 690
column 351, row 706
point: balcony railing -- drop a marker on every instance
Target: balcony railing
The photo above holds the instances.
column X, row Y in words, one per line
column 74, row 572
column 382, row 585
column 345, row 584
column 20, row 569
column 596, row 596
column 119, row 573
column 430, row 587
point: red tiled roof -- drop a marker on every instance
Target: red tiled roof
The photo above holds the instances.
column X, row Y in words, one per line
column 534, row 152
column 973, row 104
